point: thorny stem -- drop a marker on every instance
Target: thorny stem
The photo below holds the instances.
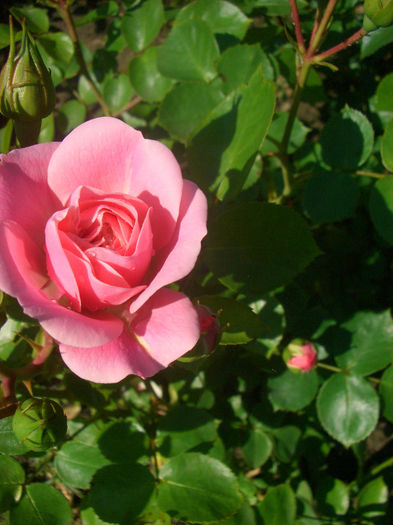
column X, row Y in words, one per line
column 308, row 58
column 321, row 28
column 298, row 29
column 343, row 45
column 64, row 12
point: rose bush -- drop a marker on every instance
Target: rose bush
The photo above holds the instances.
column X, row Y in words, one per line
column 92, row 229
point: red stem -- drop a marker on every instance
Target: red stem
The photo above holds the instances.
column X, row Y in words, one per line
column 298, row 29
column 316, row 24
column 342, row 45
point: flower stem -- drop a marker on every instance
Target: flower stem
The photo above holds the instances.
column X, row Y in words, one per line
column 319, row 33
column 339, row 47
column 66, row 15
column 298, row 29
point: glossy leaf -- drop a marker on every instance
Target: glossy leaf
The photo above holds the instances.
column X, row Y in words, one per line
column 347, row 140
column 239, row 324
column 120, row 493
column 384, row 94
column 221, row 16
column 37, row 19
column 290, row 391
column 348, row 408
column 386, row 393
column 238, row 238
column 332, row 496
column 237, row 65
column 189, row 52
column 278, row 506
column 198, row 488
column 145, row 77
column 8, row 442
column 370, row 347
column 117, row 92
column 373, row 498
column 386, row 147
column 59, row 46
column 257, row 448
column 42, row 504
column 331, row 197
column 70, row 115
column 381, row 208
column 141, row 24
column 12, row 477
column 186, row 106
column 184, row 428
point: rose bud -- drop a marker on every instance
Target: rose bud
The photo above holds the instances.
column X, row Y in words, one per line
column 209, row 326
column 300, row 356
column 27, row 93
column 39, row 424
column 377, row 13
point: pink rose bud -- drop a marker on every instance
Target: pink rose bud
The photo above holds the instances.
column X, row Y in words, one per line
column 209, row 326
column 304, row 357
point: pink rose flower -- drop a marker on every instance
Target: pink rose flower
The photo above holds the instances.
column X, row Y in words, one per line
column 92, row 229
column 304, row 357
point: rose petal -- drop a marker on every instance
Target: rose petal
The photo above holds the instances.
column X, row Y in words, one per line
column 98, row 153
column 24, row 192
column 156, row 179
column 165, row 328
column 21, row 275
column 180, row 255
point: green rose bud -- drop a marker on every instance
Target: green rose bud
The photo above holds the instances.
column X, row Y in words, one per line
column 378, row 13
column 26, row 88
column 39, row 424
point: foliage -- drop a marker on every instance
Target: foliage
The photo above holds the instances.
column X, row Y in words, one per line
column 289, row 132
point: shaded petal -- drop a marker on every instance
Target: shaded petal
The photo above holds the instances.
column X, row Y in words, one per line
column 164, row 329
column 180, row 255
column 25, row 196
column 156, row 179
column 21, row 275
column 98, row 153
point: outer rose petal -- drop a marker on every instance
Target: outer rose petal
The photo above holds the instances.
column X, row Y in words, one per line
column 156, row 179
column 164, row 329
column 25, row 196
column 21, row 275
column 180, row 255
column 98, row 153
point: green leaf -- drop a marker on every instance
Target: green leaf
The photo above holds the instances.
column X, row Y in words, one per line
column 42, row 504
column 124, row 441
column 370, row 347
column 290, row 391
column 70, row 115
column 4, row 35
column 384, row 94
column 286, row 442
column 77, row 461
column 237, row 321
column 186, row 106
column 47, row 132
column 221, row 16
column 387, row 146
column 222, row 153
column 84, row 89
column 88, row 516
column 117, row 92
column 257, row 448
column 276, row 133
column 8, row 442
column 37, row 19
column 372, row 42
column 347, row 140
column 102, row 11
column 6, row 136
column 184, row 428
column 237, row 246
column 278, row 506
column 332, row 496
column 145, row 77
column 12, row 478
column 141, row 24
column 381, row 208
column 373, row 498
column 245, row 516
column 120, row 493
column 58, row 46
column 386, row 393
column 237, row 65
column 348, row 408
column 189, row 52
column 114, row 40
column 198, row 488
column 331, row 196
